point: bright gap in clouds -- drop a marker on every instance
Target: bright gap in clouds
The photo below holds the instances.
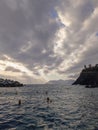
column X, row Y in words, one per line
column 9, row 68
column 10, row 62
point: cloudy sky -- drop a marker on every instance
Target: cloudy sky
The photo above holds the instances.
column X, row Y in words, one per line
column 43, row 40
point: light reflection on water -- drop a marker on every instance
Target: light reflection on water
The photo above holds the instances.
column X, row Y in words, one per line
column 72, row 108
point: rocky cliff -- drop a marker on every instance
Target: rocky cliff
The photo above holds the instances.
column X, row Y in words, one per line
column 88, row 76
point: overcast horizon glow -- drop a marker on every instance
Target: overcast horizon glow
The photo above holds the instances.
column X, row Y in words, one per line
column 42, row 40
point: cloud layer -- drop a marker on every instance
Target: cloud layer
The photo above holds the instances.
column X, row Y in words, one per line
column 51, row 39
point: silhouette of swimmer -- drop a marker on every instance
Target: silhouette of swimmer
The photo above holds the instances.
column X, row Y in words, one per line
column 48, row 100
column 19, row 102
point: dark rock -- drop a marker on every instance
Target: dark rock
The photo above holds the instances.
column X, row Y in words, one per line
column 9, row 83
column 88, row 77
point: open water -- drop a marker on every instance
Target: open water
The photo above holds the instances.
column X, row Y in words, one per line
column 71, row 108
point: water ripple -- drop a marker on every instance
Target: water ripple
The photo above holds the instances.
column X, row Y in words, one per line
column 72, row 108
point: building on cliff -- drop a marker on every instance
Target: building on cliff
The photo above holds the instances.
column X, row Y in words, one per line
column 88, row 76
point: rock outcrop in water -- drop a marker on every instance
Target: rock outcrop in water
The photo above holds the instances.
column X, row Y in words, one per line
column 88, row 76
column 9, row 83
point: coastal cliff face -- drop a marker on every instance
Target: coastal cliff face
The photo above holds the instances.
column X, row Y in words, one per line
column 88, row 76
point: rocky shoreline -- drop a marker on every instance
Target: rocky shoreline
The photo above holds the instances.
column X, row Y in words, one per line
column 9, row 83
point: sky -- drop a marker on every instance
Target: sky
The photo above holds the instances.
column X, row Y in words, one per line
column 42, row 40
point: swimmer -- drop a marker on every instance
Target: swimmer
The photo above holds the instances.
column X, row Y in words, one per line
column 19, row 102
column 48, row 100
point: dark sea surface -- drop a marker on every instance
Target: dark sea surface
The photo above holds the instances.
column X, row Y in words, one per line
column 70, row 108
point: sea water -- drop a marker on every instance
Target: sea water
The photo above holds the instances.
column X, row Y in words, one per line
column 71, row 108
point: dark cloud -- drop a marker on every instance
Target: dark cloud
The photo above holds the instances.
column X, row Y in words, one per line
column 29, row 22
column 12, row 69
